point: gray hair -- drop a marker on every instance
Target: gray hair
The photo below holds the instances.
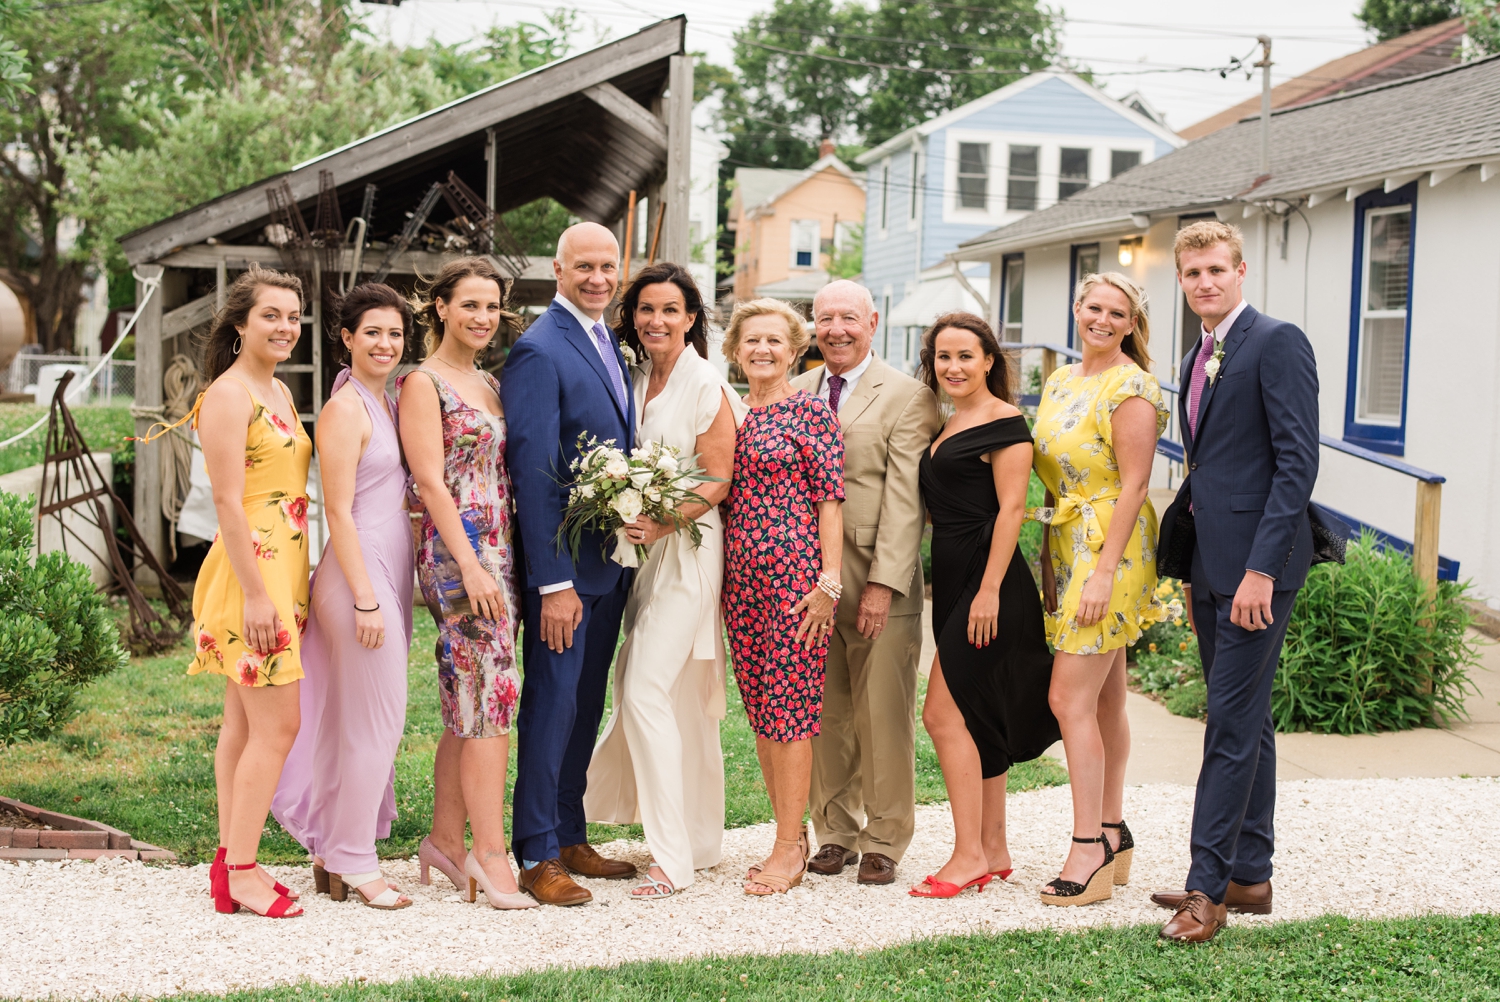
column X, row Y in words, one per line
column 840, row 285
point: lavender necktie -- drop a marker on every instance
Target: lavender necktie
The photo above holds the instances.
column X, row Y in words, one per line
column 835, row 389
column 611, row 364
column 1198, row 380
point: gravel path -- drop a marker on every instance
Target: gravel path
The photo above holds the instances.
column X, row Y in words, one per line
column 1364, row 848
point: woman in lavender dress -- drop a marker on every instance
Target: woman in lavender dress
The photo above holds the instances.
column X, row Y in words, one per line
column 336, row 795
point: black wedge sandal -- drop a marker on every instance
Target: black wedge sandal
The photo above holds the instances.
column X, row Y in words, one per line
column 1101, row 884
column 1124, row 854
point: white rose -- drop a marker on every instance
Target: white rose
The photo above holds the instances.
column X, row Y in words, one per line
column 641, row 478
column 616, row 468
column 669, row 504
column 667, row 463
column 628, row 352
column 652, row 494
column 585, row 490
column 641, row 453
column 1211, row 369
column 627, row 504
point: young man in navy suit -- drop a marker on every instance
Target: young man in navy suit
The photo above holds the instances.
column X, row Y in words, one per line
column 1249, row 413
column 565, row 376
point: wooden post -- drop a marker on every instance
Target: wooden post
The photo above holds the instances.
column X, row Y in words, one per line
column 148, row 458
column 676, row 238
column 629, row 239
column 221, row 283
column 1424, row 548
column 491, row 167
column 1049, row 363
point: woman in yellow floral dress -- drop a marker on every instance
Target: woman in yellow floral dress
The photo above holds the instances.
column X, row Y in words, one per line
column 250, row 601
column 1095, row 436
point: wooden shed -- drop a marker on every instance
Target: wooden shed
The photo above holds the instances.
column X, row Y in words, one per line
column 586, row 130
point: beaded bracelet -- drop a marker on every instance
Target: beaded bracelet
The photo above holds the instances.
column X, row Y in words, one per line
column 833, row 589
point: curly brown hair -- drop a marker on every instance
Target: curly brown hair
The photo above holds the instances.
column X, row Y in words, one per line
column 219, row 344
column 441, row 287
column 656, row 274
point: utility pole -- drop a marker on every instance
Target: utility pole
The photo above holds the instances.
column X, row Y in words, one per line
column 1265, row 168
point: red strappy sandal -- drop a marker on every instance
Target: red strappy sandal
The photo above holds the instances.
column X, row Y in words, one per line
column 217, row 867
column 943, row 889
column 280, row 908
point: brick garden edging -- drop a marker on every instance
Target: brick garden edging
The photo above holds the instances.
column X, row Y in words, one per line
column 71, row 838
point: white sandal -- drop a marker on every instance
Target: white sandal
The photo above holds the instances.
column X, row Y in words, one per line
column 388, row 900
column 663, row 888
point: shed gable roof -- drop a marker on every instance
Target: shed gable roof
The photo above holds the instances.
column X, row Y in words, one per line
column 577, row 130
column 1450, row 117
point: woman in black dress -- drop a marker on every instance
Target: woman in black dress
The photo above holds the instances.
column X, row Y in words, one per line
column 986, row 701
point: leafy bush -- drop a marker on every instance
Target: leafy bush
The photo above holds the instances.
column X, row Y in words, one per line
column 1366, row 650
column 56, row 633
column 1165, row 661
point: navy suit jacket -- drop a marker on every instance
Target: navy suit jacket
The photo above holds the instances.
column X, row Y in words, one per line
column 553, row 387
column 1254, row 460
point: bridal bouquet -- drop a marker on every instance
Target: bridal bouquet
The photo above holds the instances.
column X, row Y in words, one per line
column 610, row 488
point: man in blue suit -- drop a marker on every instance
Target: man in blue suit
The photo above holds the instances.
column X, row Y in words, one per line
column 565, row 376
column 1249, row 413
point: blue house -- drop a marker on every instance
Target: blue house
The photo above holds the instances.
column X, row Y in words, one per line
column 984, row 165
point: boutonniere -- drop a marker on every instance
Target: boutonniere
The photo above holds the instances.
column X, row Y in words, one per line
column 1211, row 367
column 628, row 352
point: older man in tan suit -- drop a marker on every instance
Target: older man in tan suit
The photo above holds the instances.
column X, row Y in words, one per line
column 864, row 767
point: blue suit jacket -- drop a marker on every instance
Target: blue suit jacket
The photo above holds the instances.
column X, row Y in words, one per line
column 553, row 387
column 1254, row 460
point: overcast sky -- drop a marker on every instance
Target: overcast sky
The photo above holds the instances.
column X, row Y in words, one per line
column 1141, row 45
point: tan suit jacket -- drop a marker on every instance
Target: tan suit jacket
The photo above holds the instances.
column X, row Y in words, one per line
column 887, row 423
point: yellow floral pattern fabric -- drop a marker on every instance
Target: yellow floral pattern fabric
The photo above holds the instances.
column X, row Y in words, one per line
column 1075, row 459
column 275, row 502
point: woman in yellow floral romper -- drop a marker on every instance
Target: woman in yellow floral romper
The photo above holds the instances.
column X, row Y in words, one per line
column 250, row 600
column 1095, row 436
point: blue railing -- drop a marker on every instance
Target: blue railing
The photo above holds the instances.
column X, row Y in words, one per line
column 1447, row 570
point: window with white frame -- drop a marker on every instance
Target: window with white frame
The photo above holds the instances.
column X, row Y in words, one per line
column 1072, row 172
column 973, row 175
column 1012, row 290
column 1380, row 321
column 805, row 236
column 1021, row 181
column 1121, row 161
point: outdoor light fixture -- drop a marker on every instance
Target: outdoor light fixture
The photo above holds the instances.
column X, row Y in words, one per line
column 1128, row 250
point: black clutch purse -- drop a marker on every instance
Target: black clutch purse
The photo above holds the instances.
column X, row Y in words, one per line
column 1176, row 537
column 1330, row 535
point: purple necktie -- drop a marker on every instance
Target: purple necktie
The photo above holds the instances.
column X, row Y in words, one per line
column 835, row 388
column 1198, row 380
column 607, row 349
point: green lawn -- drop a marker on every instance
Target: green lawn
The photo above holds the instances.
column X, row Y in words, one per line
column 140, row 757
column 1428, row 959
column 103, row 427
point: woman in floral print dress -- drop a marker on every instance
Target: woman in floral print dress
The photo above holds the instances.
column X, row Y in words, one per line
column 783, row 544
column 453, row 432
column 250, row 599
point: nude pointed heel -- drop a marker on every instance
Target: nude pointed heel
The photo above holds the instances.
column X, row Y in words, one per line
column 429, row 855
column 1124, row 854
column 1100, row 886
column 503, row 900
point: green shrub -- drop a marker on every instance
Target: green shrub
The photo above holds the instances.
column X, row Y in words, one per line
column 56, row 633
column 1366, row 650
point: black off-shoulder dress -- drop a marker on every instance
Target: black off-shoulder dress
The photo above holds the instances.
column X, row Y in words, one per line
column 1000, row 689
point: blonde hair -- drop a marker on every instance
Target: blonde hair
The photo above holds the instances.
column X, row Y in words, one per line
column 1206, row 233
column 796, row 329
column 1134, row 343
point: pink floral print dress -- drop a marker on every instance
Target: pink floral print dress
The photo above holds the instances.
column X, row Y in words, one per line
column 478, row 681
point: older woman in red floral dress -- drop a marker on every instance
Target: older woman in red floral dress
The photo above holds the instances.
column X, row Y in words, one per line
column 783, row 544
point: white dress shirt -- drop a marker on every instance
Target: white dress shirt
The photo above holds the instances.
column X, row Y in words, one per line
column 1227, row 324
column 588, row 323
column 851, row 380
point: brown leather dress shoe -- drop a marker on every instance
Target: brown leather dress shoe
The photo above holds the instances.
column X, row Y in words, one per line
column 831, row 859
column 550, row 884
column 584, row 861
column 875, row 868
column 1244, row 899
column 1197, row 920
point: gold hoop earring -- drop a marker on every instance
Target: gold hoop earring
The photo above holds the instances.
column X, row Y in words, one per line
column 239, row 342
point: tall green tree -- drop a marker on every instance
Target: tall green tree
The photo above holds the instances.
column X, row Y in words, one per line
column 96, row 55
column 14, row 71
column 928, row 57
column 1390, row 18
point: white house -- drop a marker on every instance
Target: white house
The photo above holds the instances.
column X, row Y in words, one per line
column 1376, row 231
column 997, row 159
